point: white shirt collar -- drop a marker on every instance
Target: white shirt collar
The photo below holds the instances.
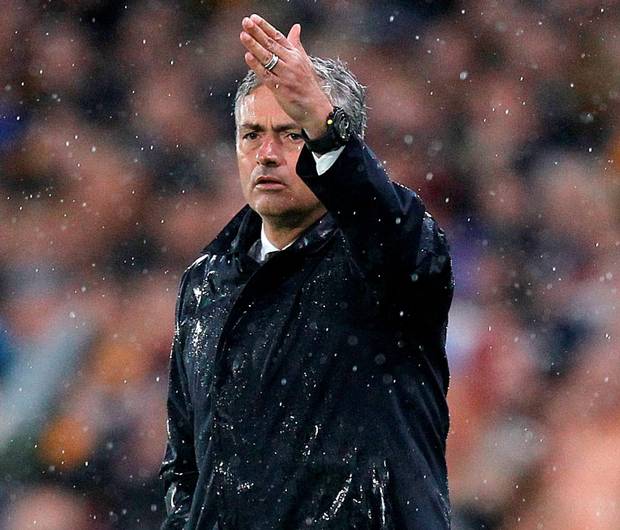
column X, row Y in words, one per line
column 267, row 246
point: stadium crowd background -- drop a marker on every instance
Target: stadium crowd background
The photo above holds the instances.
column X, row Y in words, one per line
column 117, row 166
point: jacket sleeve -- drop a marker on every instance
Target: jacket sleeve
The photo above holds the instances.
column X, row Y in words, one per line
column 389, row 232
column 178, row 469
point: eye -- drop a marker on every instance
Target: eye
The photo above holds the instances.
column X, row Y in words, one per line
column 295, row 137
column 252, row 135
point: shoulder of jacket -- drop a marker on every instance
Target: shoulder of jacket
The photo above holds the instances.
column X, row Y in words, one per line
column 217, row 247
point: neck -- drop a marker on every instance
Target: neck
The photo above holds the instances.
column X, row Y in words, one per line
column 282, row 232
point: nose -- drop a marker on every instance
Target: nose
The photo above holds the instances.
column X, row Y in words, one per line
column 269, row 152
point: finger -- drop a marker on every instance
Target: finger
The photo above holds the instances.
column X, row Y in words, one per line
column 294, row 37
column 264, row 40
column 270, row 31
column 266, row 76
column 252, row 46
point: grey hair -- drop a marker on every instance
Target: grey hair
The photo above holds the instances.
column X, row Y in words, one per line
column 337, row 81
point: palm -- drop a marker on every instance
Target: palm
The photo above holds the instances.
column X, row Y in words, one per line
column 293, row 80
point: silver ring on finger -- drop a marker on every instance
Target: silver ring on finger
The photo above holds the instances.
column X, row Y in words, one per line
column 271, row 64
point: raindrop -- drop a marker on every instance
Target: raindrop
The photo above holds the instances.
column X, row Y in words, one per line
column 352, row 340
column 388, row 379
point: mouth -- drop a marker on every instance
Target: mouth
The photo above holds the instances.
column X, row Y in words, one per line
column 268, row 182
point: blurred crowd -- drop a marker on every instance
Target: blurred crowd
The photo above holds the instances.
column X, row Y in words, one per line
column 117, row 166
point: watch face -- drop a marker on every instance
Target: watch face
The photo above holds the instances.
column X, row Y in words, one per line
column 342, row 126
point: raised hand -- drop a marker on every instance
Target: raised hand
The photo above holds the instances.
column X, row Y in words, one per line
column 292, row 80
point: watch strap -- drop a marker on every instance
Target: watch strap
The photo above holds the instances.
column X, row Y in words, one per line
column 331, row 140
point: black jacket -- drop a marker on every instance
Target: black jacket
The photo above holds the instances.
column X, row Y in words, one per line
column 309, row 391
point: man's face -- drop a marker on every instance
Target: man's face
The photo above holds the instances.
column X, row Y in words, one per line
column 268, row 146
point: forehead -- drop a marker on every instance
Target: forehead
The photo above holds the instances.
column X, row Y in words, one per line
column 259, row 106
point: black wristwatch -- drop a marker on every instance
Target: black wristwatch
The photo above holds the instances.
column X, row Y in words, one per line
column 338, row 133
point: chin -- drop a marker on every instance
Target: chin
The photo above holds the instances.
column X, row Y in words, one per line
column 282, row 213
column 274, row 211
column 272, row 205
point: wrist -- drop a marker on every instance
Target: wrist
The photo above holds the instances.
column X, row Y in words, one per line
column 337, row 131
column 317, row 126
column 315, row 131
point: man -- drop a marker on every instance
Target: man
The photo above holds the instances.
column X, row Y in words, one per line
column 308, row 372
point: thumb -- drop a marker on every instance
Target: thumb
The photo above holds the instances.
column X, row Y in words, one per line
column 294, row 36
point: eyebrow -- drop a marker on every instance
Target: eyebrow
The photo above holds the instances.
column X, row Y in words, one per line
column 278, row 128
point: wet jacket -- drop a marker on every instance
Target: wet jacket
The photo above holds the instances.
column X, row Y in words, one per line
column 308, row 391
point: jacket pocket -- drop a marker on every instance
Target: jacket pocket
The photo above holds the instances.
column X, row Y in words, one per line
column 346, row 497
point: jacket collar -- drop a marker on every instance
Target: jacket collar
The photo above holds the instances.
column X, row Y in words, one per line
column 316, row 235
column 310, row 240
